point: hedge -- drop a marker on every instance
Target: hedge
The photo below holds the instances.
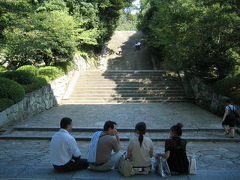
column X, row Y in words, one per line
column 11, row 90
column 22, row 77
column 29, row 68
column 51, row 72
column 229, row 86
column 37, row 84
column 5, row 103
column 66, row 66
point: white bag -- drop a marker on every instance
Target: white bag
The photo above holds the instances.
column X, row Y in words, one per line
column 192, row 164
column 162, row 168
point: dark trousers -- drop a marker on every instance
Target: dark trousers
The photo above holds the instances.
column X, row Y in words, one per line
column 73, row 165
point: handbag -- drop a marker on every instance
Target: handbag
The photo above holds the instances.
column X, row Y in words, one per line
column 162, row 168
column 125, row 167
column 192, row 164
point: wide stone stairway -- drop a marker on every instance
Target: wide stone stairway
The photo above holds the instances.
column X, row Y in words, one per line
column 119, row 90
column 127, row 86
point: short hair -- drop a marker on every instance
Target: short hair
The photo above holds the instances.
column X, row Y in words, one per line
column 65, row 122
column 229, row 101
column 108, row 125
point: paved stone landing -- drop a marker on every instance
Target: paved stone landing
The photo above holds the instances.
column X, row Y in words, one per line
column 159, row 115
column 30, row 159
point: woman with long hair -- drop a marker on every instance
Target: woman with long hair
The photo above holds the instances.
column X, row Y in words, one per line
column 140, row 150
column 175, row 151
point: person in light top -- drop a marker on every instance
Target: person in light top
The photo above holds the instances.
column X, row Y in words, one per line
column 64, row 152
column 140, row 150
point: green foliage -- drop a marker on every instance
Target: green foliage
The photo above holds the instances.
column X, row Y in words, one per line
column 228, row 85
column 44, row 36
column 51, row 72
column 127, row 22
column 2, row 69
column 11, row 90
column 32, row 31
column 66, row 66
column 201, row 36
column 29, row 68
column 37, row 83
column 5, row 103
column 22, row 77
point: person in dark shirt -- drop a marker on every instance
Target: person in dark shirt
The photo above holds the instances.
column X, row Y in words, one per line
column 175, row 151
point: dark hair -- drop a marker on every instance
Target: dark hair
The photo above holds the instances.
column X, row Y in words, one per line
column 65, row 122
column 229, row 101
column 177, row 129
column 108, row 125
column 141, row 128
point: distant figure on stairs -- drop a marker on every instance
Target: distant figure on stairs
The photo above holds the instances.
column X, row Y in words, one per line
column 119, row 51
column 103, row 143
column 64, row 152
column 138, row 45
column 230, row 118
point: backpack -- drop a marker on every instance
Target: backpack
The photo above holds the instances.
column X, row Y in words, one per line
column 233, row 114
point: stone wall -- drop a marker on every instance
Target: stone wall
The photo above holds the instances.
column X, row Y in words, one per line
column 203, row 94
column 42, row 99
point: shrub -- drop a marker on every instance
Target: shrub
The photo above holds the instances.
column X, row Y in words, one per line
column 37, row 84
column 29, row 68
column 5, row 103
column 11, row 90
column 22, row 77
column 66, row 66
column 2, row 69
column 227, row 85
column 51, row 72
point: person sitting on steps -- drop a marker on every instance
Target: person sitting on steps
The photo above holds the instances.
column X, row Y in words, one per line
column 175, row 151
column 102, row 145
column 64, row 152
column 140, row 150
column 230, row 118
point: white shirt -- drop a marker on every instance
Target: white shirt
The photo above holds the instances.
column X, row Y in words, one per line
column 141, row 156
column 63, row 147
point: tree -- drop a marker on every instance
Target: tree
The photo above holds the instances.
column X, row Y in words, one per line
column 201, row 36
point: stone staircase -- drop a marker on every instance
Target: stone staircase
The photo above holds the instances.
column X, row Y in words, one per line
column 127, row 86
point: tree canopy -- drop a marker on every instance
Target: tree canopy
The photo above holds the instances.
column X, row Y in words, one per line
column 32, row 31
column 198, row 35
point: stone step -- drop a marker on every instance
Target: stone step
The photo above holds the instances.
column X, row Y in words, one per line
column 132, row 98
column 93, row 129
column 159, row 84
column 129, row 95
column 91, row 101
column 135, row 72
column 130, row 88
column 127, row 78
column 128, row 82
column 195, row 136
column 103, row 91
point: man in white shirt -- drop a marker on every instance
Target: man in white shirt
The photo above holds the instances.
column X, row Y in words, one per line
column 64, row 152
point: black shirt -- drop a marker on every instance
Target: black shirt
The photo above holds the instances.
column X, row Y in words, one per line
column 177, row 160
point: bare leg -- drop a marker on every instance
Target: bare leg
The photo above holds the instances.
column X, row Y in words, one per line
column 226, row 129
column 232, row 132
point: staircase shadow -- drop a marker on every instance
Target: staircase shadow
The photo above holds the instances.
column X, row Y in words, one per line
column 145, row 88
column 130, row 59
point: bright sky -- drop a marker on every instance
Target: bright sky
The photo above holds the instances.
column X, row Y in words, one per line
column 137, row 3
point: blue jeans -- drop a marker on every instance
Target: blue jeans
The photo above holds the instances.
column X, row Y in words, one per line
column 112, row 163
